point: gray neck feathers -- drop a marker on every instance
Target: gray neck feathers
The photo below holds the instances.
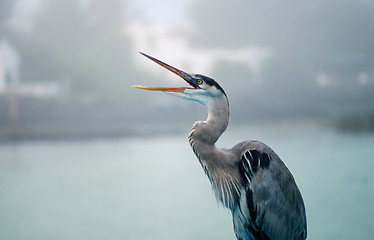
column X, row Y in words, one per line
column 203, row 136
column 210, row 130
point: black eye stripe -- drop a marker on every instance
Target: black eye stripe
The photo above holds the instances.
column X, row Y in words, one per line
column 209, row 81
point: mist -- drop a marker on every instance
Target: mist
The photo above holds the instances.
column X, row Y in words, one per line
column 76, row 61
column 83, row 155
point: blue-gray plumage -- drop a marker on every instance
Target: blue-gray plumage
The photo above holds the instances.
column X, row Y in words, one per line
column 249, row 178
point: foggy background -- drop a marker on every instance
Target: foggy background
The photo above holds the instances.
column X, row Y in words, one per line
column 66, row 66
column 85, row 156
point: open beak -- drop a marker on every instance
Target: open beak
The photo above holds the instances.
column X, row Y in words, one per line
column 187, row 77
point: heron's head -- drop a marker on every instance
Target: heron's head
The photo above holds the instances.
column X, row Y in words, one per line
column 203, row 89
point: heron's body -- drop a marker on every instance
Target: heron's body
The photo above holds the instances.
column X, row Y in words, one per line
column 249, row 178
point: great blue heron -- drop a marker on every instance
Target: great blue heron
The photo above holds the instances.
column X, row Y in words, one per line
column 249, row 178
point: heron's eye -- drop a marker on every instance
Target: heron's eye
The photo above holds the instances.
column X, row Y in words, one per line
column 199, row 81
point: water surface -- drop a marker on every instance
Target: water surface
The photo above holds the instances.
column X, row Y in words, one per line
column 154, row 187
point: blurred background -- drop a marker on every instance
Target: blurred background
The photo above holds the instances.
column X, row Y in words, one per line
column 85, row 156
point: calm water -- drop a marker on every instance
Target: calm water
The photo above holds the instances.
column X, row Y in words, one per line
column 154, row 187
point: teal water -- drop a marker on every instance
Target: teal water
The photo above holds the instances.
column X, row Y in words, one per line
column 154, row 187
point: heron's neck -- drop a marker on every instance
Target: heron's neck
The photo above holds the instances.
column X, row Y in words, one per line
column 204, row 134
column 216, row 161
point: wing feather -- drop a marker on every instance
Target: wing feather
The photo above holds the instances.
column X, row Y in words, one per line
column 271, row 203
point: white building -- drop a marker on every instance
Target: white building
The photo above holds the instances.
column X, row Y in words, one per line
column 9, row 66
column 10, row 63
